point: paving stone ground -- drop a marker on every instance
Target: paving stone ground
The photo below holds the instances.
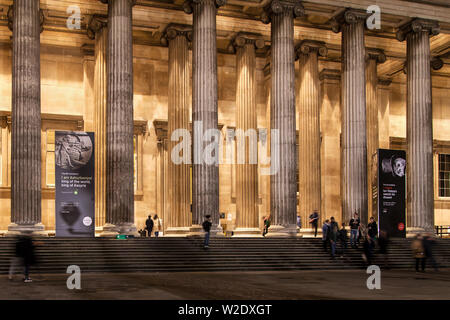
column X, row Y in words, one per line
column 396, row 284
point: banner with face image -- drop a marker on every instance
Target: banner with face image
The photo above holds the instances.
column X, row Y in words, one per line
column 74, row 184
column 392, row 192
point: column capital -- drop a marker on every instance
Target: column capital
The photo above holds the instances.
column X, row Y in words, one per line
column 282, row 6
column 188, row 4
column 347, row 17
column 375, row 54
column 418, row 25
column 436, row 63
column 176, row 30
column 244, row 38
column 10, row 15
column 96, row 24
column 132, row 2
column 311, row 46
column 88, row 50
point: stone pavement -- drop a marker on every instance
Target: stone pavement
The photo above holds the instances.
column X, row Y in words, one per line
column 397, row 284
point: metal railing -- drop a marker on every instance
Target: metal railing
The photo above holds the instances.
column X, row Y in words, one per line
column 442, row 231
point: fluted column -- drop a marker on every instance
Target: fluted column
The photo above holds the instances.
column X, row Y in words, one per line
column 119, row 120
column 246, row 126
column 354, row 143
column 98, row 30
column 373, row 58
column 283, row 184
column 27, row 21
column 177, row 37
column 309, row 128
column 419, row 124
column 205, row 184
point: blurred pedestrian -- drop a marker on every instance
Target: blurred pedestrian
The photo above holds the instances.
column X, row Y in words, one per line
column 24, row 257
column 383, row 243
column 157, row 225
column 325, row 234
column 299, row 222
column 343, row 237
column 372, row 229
column 418, row 252
column 314, row 220
column 207, row 228
column 149, row 226
column 333, row 231
column 428, row 242
column 266, row 225
column 367, row 247
column 354, row 230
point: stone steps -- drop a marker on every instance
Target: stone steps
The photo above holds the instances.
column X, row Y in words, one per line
column 187, row 254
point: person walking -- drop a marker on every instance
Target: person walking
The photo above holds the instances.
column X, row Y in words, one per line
column 25, row 257
column 428, row 242
column 372, row 229
column 157, row 225
column 325, row 235
column 354, row 230
column 207, row 228
column 314, row 220
column 266, row 225
column 383, row 243
column 418, row 252
column 333, row 231
column 367, row 247
column 343, row 238
column 149, row 226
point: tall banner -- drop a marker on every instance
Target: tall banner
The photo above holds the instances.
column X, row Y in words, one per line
column 74, row 184
column 392, row 192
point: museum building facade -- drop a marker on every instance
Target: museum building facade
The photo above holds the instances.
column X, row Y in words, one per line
column 335, row 80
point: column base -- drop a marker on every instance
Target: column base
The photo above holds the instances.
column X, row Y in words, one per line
column 176, row 232
column 247, row 233
column 413, row 231
column 112, row 230
column 37, row 230
column 217, row 231
column 196, row 230
column 277, row 231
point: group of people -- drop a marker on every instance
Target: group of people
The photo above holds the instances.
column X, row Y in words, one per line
column 153, row 225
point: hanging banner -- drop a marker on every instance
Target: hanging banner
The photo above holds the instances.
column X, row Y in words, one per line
column 392, row 192
column 74, row 184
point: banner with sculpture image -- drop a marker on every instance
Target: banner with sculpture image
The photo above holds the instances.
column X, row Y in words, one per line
column 74, row 184
column 392, row 192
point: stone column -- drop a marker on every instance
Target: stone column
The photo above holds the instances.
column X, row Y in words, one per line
column 98, row 30
column 246, row 126
column 309, row 129
column 27, row 24
column 205, row 184
column 419, row 124
column 354, row 143
column 283, row 184
column 373, row 57
column 178, row 220
column 119, row 120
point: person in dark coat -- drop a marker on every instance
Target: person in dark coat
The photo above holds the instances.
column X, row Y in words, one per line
column 314, row 220
column 367, row 247
column 354, row 230
column 343, row 237
column 25, row 252
column 383, row 243
column 325, row 234
column 428, row 243
column 149, row 226
column 333, row 232
column 266, row 225
column 207, row 228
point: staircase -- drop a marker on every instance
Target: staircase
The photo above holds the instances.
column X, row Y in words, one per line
column 187, row 254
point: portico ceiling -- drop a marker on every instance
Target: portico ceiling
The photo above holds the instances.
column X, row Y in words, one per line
column 150, row 18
